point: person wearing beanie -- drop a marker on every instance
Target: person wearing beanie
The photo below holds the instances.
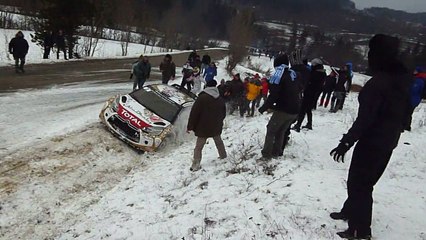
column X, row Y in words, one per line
column 167, row 69
column 206, row 121
column 384, row 105
column 284, row 99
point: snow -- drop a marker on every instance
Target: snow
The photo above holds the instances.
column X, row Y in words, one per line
column 76, row 181
column 105, row 49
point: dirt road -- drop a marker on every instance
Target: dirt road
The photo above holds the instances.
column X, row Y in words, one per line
column 43, row 75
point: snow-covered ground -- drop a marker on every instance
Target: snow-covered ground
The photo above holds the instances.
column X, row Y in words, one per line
column 63, row 176
column 105, row 49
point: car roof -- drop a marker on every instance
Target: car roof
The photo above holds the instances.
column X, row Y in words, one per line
column 173, row 92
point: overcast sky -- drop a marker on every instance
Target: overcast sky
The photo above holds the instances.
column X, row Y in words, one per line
column 406, row 5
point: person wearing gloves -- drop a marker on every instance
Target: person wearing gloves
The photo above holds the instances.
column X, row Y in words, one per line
column 284, row 99
column 206, row 120
column 384, row 105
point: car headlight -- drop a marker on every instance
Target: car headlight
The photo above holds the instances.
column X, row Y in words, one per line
column 153, row 130
column 114, row 104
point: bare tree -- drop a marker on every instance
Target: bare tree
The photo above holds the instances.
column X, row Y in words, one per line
column 125, row 14
column 171, row 25
column 240, row 35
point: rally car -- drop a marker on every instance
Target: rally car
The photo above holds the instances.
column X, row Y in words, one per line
column 145, row 117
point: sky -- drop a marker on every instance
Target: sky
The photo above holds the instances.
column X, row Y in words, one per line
column 405, row 5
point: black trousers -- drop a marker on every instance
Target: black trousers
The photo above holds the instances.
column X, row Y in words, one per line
column 188, row 84
column 63, row 49
column 305, row 109
column 367, row 166
column 46, row 52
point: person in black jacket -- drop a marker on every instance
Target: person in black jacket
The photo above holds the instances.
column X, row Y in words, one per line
column 236, row 95
column 18, row 47
column 61, row 45
column 206, row 120
column 384, row 105
column 48, row 42
column 284, row 99
column 328, row 88
column 340, row 90
column 313, row 87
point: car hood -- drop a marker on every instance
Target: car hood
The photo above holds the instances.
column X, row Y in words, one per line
column 139, row 116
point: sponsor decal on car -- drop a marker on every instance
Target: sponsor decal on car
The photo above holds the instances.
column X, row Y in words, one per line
column 132, row 119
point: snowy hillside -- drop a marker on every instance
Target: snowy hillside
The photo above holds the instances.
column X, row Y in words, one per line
column 71, row 179
column 105, row 49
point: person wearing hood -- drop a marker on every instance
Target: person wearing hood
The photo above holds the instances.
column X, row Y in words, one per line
column 284, row 99
column 18, row 47
column 384, row 105
column 206, row 121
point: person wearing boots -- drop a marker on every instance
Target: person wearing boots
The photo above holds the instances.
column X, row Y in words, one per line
column 284, row 99
column 313, row 87
column 206, row 120
column 18, row 47
column 384, row 105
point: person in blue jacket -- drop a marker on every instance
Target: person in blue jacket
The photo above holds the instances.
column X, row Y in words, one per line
column 210, row 72
column 416, row 92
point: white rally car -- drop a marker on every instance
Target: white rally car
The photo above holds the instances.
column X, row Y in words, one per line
column 144, row 117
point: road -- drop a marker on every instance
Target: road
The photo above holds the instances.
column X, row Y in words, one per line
column 116, row 70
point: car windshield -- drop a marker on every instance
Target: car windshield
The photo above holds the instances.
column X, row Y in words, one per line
column 156, row 103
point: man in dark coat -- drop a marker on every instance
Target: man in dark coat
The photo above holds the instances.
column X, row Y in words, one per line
column 48, row 42
column 329, row 87
column 236, row 95
column 340, row 90
column 313, row 87
column 384, row 105
column 168, row 69
column 141, row 71
column 284, row 99
column 18, row 47
column 60, row 44
column 206, row 120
